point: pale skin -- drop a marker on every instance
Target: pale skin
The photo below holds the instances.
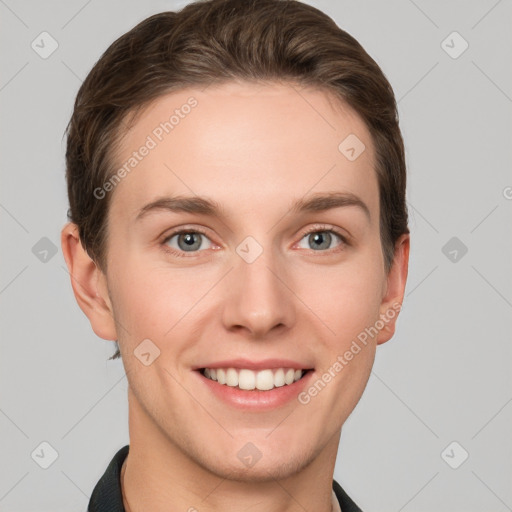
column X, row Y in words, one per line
column 254, row 149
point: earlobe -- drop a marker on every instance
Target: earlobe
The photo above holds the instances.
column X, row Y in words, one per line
column 395, row 289
column 88, row 283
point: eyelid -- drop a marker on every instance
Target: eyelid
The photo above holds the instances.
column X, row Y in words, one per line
column 344, row 240
column 185, row 229
column 345, row 237
column 179, row 231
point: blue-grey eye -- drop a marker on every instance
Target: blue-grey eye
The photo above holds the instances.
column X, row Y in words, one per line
column 320, row 239
column 187, row 241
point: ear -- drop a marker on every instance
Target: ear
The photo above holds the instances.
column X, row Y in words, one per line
column 395, row 288
column 89, row 284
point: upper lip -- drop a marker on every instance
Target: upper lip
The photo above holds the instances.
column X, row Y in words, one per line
column 255, row 365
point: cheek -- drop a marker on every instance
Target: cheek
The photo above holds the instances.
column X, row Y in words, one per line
column 137, row 302
column 155, row 302
column 347, row 299
column 349, row 307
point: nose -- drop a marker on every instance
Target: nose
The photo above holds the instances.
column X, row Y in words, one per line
column 258, row 297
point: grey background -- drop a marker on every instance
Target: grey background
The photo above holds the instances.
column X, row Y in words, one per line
column 446, row 374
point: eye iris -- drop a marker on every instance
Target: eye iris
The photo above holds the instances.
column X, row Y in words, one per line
column 322, row 236
column 188, row 239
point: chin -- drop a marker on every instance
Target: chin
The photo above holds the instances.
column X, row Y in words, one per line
column 258, row 462
column 262, row 471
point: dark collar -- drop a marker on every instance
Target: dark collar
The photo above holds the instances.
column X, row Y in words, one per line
column 107, row 497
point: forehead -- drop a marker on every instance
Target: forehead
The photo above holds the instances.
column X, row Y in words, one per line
column 247, row 145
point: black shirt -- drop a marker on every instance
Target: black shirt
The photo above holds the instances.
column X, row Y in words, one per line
column 107, row 496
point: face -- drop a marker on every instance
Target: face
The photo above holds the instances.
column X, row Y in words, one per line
column 273, row 264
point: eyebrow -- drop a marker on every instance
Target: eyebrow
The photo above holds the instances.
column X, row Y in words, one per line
column 205, row 206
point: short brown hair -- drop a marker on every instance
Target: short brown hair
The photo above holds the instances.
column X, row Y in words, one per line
column 214, row 41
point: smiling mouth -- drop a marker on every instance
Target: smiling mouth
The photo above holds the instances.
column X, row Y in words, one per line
column 249, row 380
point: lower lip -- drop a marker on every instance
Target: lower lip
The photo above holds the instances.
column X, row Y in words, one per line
column 257, row 400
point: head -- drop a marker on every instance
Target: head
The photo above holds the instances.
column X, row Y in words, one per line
column 236, row 178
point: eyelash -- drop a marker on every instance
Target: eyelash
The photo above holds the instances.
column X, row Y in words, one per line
column 315, row 229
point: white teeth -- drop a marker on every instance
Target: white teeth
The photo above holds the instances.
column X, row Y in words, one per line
column 246, row 379
column 263, row 380
column 232, row 377
column 279, row 378
column 289, row 376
